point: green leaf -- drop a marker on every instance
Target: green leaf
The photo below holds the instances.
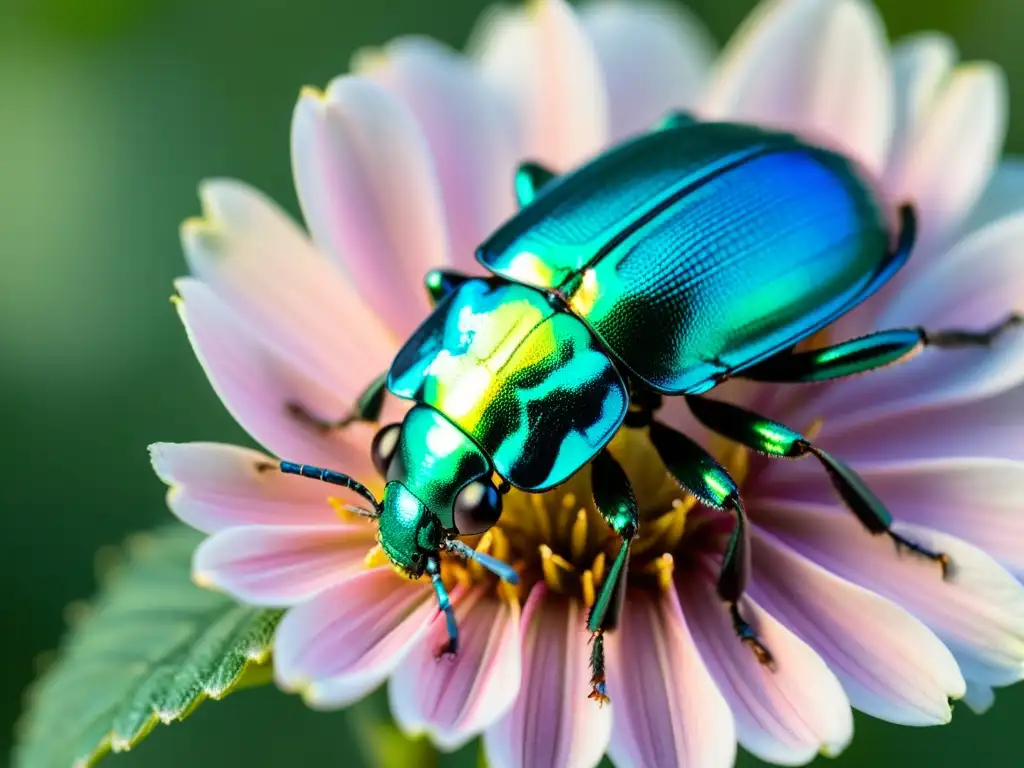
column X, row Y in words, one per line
column 151, row 648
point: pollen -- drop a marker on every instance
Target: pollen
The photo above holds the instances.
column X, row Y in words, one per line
column 559, row 538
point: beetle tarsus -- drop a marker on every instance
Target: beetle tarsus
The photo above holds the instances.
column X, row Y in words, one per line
column 944, row 561
column 746, row 633
column 301, row 415
column 598, row 684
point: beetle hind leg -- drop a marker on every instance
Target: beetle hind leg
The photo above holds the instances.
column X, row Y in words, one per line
column 778, row 441
column 701, row 474
column 613, row 496
column 368, row 407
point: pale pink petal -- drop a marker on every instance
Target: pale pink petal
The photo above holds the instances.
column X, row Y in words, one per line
column 982, row 428
column 656, row 58
column 977, row 500
column 667, row 710
column 921, row 64
column 890, row 664
column 786, row 715
column 543, row 62
column 467, row 128
column 818, row 67
column 266, row 270
column 345, row 642
column 214, row 486
column 552, row 722
column 280, row 565
column 974, row 286
column 953, row 154
column 256, row 386
column 978, row 612
column 1004, row 196
column 370, row 194
column 454, row 699
column 979, row 697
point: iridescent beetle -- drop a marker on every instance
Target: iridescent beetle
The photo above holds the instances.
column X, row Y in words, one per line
column 687, row 256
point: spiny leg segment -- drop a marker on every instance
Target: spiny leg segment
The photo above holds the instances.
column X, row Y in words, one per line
column 872, row 351
column 776, row 440
column 701, row 474
column 614, row 498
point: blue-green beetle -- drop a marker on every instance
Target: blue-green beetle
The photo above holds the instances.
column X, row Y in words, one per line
column 672, row 262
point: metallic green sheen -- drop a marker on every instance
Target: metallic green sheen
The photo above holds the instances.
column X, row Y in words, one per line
column 408, row 532
column 433, row 461
column 531, row 385
column 845, row 359
column 696, row 251
column 747, row 428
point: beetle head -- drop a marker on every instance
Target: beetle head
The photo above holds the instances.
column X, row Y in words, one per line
column 409, row 533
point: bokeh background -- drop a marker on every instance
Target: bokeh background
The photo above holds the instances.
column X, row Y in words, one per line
column 110, row 112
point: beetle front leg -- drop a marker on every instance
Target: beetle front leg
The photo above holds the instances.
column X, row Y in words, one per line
column 700, row 473
column 367, row 408
column 613, row 496
column 779, row 441
column 872, row 351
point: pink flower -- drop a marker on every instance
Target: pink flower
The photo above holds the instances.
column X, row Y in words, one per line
column 407, row 165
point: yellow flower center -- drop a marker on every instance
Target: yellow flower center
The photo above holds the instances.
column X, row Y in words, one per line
column 560, row 538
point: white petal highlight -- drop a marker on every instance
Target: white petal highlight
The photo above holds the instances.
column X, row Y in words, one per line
column 343, row 643
column 454, row 699
column 544, row 64
column 552, row 723
column 469, row 131
column 953, row 154
column 891, row 665
column 267, row 271
column 214, row 486
column 278, row 565
column 256, row 386
column 370, row 195
column 978, row 612
column 668, row 711
column 816, row 67
column 655, row 58
column 786, row 716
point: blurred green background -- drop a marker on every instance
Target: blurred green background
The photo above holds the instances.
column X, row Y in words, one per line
column 110, row 112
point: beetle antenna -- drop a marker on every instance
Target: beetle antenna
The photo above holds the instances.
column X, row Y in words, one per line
column 502, row 570
column 360, row 511
column 334, row 478
column 445, row 604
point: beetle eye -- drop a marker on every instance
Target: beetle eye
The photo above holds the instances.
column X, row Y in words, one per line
column 382, row 450
column 477, row 507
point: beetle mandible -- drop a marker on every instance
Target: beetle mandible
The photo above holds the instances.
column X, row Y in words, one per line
column 679, row 259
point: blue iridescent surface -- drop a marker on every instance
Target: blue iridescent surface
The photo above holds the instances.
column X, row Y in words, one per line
column 531, row 385
column 696, row 251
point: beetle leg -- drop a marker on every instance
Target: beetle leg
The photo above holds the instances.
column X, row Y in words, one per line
column 613, row 496
column 869, row 352
column 701, row 474
column 440, row 282
column 367, row 408
column 776, row 440
column 530, row 179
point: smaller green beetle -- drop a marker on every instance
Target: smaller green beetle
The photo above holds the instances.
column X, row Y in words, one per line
column 671, row 263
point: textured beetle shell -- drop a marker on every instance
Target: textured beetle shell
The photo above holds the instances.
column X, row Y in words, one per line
column 530, row 384
column 697, row 251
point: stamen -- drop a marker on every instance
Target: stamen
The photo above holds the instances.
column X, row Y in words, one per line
column 814, row 429
column 598, row 567
column 553, row 566
column 376, row 557
column 541, row 516
column 663, row 568
column 587, row 586
column 578, row 536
